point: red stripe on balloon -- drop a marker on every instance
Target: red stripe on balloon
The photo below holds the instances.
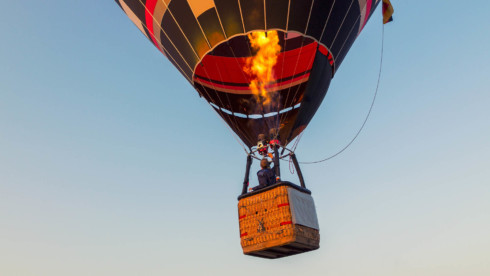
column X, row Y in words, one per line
column 229, row 69
column 150, row 9
column 368, row 12
column 217, row 86
column 326, row 53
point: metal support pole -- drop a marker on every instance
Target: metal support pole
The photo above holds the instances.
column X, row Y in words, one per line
column 247, row 174
column 296, row 165
column 277, row 168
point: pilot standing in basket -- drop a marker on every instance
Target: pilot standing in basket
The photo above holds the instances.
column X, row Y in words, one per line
column 266, row 175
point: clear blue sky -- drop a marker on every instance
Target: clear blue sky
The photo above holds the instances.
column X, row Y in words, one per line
column 110, row 163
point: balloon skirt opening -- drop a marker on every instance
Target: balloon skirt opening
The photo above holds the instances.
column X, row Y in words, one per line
column 278, row 221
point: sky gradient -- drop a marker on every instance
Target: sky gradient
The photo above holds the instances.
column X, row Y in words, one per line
column 111, row 164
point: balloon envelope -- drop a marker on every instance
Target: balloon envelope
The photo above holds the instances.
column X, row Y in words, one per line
column 208, row 42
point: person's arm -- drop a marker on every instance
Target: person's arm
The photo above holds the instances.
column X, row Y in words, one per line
column 260, row 186
column 271, row 177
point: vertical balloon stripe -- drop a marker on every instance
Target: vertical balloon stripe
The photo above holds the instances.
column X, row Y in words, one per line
column 150, row 8
column 374, row 5
column 362, row 6
column 133, row 17
column 137, row 12
column 137, row 7
column 158, row 13
column 367, row 12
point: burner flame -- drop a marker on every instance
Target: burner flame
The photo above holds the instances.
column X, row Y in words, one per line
column 260, row 67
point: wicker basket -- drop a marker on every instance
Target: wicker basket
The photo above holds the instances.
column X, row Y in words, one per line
column 278, row 221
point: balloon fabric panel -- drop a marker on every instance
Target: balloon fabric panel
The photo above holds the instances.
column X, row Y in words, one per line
column 252, row 14
column 299, row 12
column 230, row 17
column 211, row 26
column 276, row 12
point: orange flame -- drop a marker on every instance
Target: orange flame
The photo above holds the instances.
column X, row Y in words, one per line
column 260, row 67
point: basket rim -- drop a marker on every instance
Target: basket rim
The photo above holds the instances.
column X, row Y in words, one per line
column 278, row 184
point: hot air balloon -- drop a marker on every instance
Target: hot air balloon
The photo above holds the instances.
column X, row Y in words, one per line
column 264, row 66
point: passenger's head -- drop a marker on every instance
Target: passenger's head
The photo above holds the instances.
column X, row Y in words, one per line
column 264, row 163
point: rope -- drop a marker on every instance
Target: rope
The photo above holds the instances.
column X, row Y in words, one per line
column 370, row 109
column 291, row 168
column 297, row 141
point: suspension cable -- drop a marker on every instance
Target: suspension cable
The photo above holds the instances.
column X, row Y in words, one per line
column 369, row 112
